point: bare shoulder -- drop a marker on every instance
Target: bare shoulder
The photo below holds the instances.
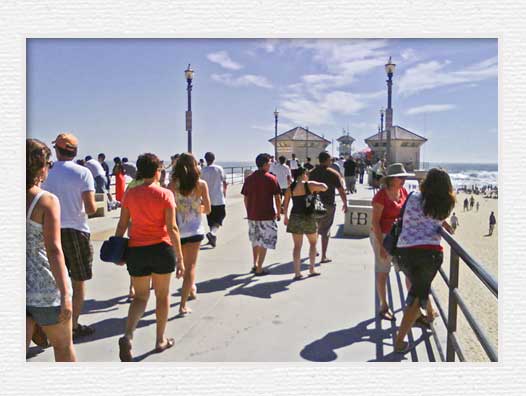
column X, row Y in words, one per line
column 49, row 201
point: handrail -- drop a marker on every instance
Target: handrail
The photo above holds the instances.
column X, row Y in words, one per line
column 233, row 176
column 455, row 300
column 477, row 269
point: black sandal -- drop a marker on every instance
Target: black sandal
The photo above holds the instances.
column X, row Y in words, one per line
column 82, row 331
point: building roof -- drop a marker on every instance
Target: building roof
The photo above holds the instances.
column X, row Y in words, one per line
column 300, row 134
column 397, row 133
column 346, row 139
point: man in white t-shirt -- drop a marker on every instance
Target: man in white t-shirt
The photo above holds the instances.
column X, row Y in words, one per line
column 294, row 165
column 217, row 185
column 74, row 186
column 283, row 174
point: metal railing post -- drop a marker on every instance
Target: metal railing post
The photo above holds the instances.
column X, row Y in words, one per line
column 232, row 174
column 452, row 306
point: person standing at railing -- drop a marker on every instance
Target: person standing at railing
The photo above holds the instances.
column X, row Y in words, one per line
column 387, row 203
column 418, row 249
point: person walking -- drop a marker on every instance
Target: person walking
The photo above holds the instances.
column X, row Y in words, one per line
column 471, row 203
column 477, row 205
column 75, row 189
column 192, row 200
column 97, row 171
column 387, row 203
column 492, row 222
column 308, row 165
column 215, row 178
column 48, row 287
column 466, row 204
column 361, row 170
column 261, row 191
column 102, row 160
column 302, row 221
column 454, row 222
column 322, row 173
column 153, row 247
column 120, row 180
column 283, row 174
column 418, row 248
column 294, row 165
column 129, row 168
column 349, row 167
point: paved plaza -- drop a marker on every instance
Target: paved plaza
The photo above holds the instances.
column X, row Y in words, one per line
column 241, row 318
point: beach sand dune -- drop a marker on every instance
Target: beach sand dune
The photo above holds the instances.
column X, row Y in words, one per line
column 472, row 234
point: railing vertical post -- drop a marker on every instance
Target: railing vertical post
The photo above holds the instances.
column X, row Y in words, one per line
column 232, row 174
column 452, row 306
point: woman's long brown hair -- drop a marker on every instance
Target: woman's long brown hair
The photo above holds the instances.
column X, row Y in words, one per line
column 186, row 173
column 437, row 193
column 37, row 156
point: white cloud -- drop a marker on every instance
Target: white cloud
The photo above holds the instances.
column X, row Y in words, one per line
column 223, row 59
column 242, row 81
column 430, row 109
column 304, row 111
column 409, row 55
column 431, row 75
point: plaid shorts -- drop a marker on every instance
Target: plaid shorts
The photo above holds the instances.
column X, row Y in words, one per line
column 78, row 253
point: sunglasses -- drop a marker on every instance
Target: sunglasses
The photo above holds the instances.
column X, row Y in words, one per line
column 50, row 164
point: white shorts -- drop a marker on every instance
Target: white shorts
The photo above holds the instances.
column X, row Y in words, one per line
column 263, row 233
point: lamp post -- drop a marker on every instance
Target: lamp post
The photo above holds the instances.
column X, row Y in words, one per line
column 189, row 74
column 382, row 113
column 389, row 69
column 276, row 113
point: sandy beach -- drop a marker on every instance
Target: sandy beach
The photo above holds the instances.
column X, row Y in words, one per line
column 472, row 235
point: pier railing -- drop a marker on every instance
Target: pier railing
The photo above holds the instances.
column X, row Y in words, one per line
column 455, row 301
column 236, row 174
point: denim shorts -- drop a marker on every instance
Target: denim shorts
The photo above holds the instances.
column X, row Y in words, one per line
column 44, row 316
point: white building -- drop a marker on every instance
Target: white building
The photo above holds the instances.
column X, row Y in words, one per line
column 405, row 146
column 345, row 144
column 301, row 142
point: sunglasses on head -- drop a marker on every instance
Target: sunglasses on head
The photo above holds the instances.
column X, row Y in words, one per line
column 50, row 164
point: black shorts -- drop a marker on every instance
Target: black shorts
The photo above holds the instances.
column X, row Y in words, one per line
column 283, row 191
column 192, row 239
column 216, row 216
column 145, row 260
column 421, row 267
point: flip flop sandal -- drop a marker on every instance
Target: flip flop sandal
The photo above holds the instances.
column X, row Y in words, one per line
column 327, row 260
column 262, row 273
column 422, row 321
column 253, row 270
column 125, row 350
column 298, row 277
column 314, row 274
column 387, row 315
column 402, row 348
column 170, row 342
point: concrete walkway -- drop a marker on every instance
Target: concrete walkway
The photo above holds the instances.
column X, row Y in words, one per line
column 241, row 318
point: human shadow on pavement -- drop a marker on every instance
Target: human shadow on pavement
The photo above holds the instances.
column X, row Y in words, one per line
column 262, row 290
column 324, row 349
column 92, row 306
column 34, row 351
column 219, row 284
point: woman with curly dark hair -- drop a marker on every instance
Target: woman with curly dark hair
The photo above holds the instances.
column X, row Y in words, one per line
column 418, row 248
column 48, row 287
column 192, row 199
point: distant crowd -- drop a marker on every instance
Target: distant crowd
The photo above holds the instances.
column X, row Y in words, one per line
column 161, row 214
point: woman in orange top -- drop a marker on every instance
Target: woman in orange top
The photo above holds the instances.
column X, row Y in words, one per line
column 152, row 250
column 120, row 179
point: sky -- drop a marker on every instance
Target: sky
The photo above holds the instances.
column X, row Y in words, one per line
column 125, row 97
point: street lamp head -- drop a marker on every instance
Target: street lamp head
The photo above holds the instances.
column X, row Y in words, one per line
column 382, row 111
column 189, row 73
column 276, row 113
column 390, row 67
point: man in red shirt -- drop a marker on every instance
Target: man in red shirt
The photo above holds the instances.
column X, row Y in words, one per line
column 261, row 191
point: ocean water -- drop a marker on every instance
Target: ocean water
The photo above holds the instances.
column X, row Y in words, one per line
column 469, row 174
column 462, row 174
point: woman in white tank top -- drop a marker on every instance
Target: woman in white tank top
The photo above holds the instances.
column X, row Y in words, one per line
column 192, row 201
column 48, row 287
